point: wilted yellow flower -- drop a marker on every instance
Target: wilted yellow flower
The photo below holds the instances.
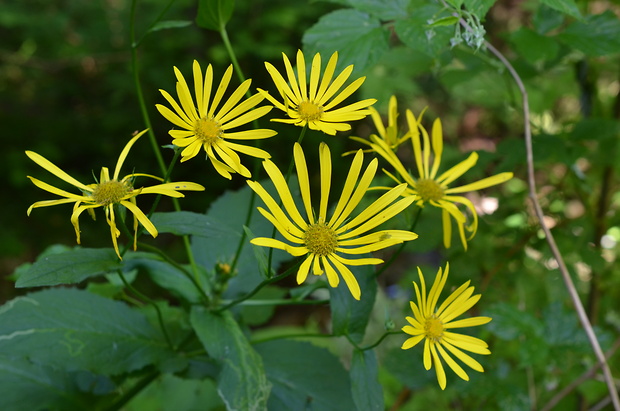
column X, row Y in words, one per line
column 313, row 103
column 431, row 324
column 106, row 193
column 431, row 188
column 203, row 127
column 324, row 241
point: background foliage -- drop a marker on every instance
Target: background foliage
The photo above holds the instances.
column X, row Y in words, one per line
column 68, row 93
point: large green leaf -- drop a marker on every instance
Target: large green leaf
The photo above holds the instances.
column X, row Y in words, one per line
column 358, row 38
column 416, row 34
column 242, row 383
column 565, row 6
column 366, row 390
column 305, row 377
column 76, row 330
column 69, row 267
column 533, row 46
column 350, row 316
column 188, row 223
column 28, row 386
column 598, row 35
column 214, row 14
column 382, row 9
column 479, row 7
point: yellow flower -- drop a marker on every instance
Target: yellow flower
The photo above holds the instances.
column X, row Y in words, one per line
column 309, row 103
column 106, row 193
column 431, row 188
column 204, row 127
column 388, row 134
column 324, row 241
column 432, row 325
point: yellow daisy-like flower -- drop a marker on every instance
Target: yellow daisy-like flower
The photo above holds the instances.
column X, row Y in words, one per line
column 432, row 188
column 323, row 241
column 432, row 325
column 313, row 103
column 388, row 134
column 204, row 127
column 106, row 193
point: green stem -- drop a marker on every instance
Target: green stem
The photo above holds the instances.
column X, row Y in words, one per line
column 232, row 55
column 139, row 93
column 298, row 335
column 160, row 317
column 133, row 391
column 249, row 295
column 282, row 302
column 402, row 246
column 380, row 340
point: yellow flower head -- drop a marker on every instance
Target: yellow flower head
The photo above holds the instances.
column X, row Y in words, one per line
column 432, row 188
column 313, row 103
column 106, row 193
column 204, row 126
column 388, row 134
column 324, row 241
column 431, row 324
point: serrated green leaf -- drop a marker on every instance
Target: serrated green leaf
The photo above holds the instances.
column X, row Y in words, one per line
column 565, row 6
column 305, row 377
column 350, row 316
column 366, row 391
column 358, row 38
column 28, row 386
column 598, row 35
column 415, row 33
column 509, row 322
column 188, row 223
column 242, row 383
column 479, row 7
column 69, row 267
column 170, row 24
column 382, row 9
column 214, row 14
column 76, row 330
column 534, row 47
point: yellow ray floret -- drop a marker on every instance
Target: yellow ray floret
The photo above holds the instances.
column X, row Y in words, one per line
column 107, row 193
column 327, row 241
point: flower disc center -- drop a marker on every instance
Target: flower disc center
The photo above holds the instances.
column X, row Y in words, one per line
column 429, row 190
column 433, row 328
column 110, row 192
column 309, row 111
column 208, row 130
column 320, row 240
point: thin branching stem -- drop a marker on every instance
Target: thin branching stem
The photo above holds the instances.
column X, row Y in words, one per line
column 568, row 282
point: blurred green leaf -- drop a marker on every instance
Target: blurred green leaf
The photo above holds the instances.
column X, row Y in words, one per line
column 546, row 19
column 534, row 47
column 382, row 9
column 214, row 14
column 415, row 33
column 407, row 366
column 565, row 6
column 509, row 322
column 598, row 35
column 188, row 223
column 69, row 267
column 170, row 24
column 358, row 38
column 479, row 7
column 76, row 330
column 366, row 391
column 242, row 383
column 305, row 377
column 350, row 316
column 444, row 21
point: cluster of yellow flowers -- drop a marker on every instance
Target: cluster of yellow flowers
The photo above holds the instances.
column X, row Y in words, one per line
column 326, row 239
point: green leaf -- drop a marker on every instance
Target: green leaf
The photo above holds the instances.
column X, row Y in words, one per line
column 598, row 35
column 444, row 21
column 28, row 386
column 254, row 315
column 479, row 7
column 69, row 267
column 382, row 9
column 242, row 383
column 76, row 330
column 509, row 322
column 170, row 24
column 188, row 223
column 214, row 14
column 547, row 19
column 165, row 275
column 565, row 6
column 407, row 366
column 350, row 316
column 366, row 391
column 415, row 33
column 304, row 377
column 534, row 47
column 358, row 38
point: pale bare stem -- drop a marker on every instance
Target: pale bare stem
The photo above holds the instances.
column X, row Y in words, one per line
column 570, row 286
